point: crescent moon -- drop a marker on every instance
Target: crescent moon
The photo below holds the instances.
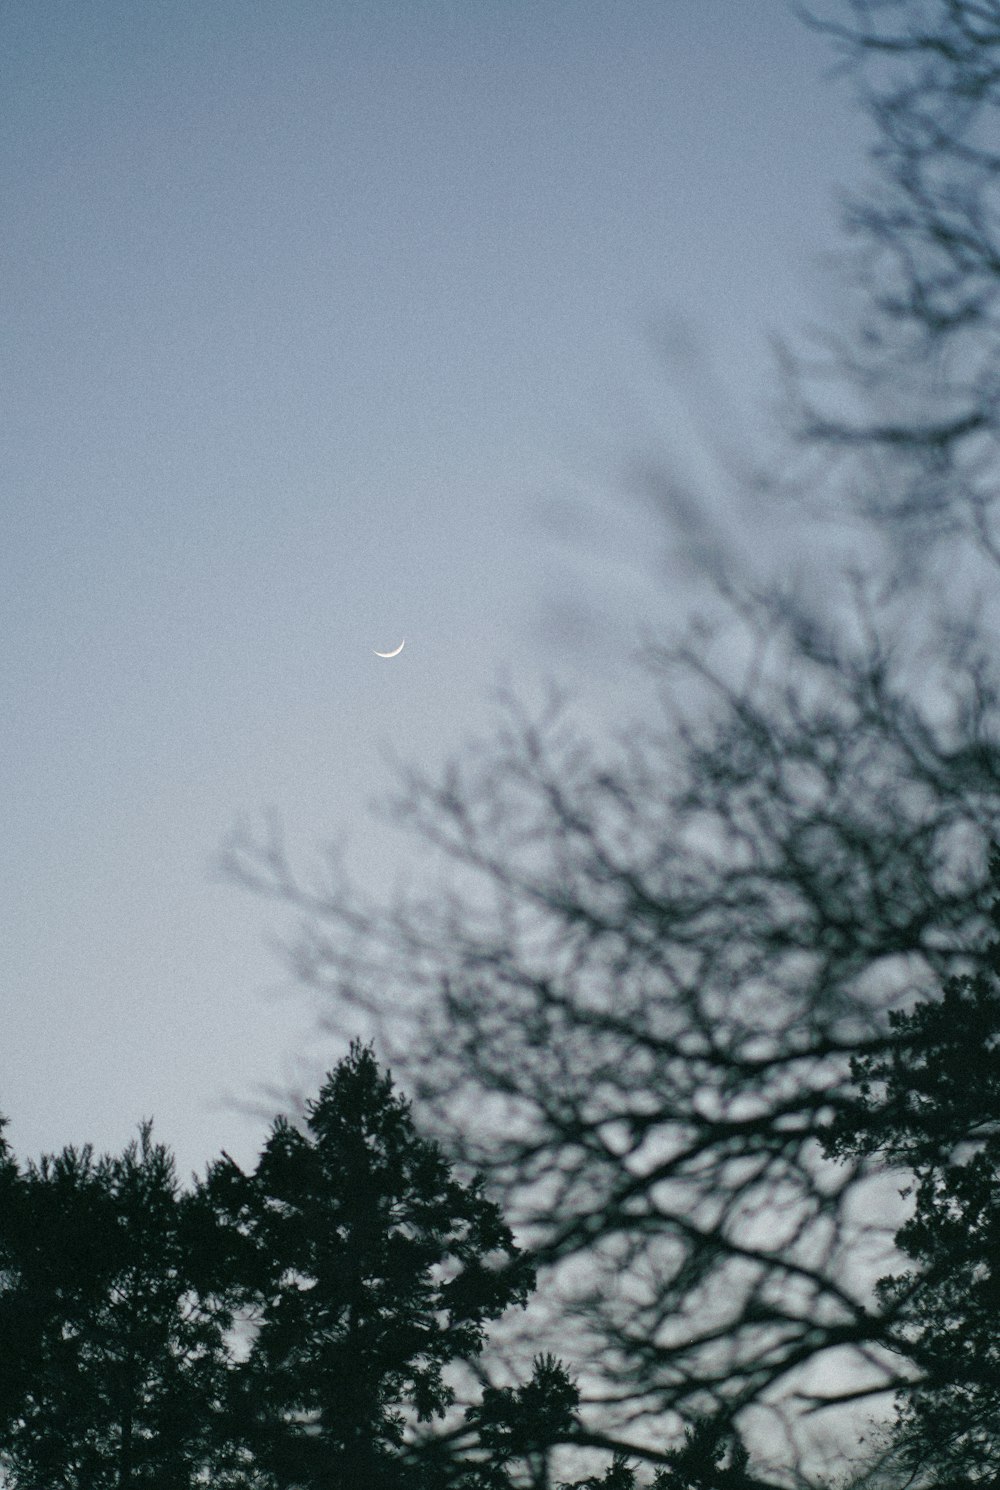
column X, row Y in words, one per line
column 395, row 653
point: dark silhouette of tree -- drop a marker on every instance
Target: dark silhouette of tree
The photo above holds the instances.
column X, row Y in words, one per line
column 384, row 1269
column 121, row 1360
column 931, row 1105
column 16, row 1329
column 712, row 1457
column 360, row 1266
column 619, row 1475
column 518, row 1427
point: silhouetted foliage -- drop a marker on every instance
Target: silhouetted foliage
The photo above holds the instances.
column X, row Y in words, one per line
column 619, row 1475
column 519, row 1426
column 17, row 1328
column 712, row 1457
column 118, row 1375
column 358, row 1266
column 383, row 1270
column 932, row 1106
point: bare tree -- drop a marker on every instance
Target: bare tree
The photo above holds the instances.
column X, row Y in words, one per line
column 912, row 402
column 635, row 1001
column 637, row 1012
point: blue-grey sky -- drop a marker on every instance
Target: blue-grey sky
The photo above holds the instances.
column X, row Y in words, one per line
column 309, row 309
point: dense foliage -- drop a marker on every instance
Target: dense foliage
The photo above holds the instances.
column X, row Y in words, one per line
column 115, row 1323
column 931, row 1106
column 383, row 1269
column 360, row 1265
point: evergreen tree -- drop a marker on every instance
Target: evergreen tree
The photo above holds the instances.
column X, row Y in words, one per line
column 619, row 1475
column 15, row 1327
column 712, row 1457
column 931, row 1104
column 120, row 1376
column 521, row 1425
column 381, row 1274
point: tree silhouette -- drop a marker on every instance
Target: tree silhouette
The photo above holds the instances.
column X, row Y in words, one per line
column 932, row 1106
column 120, row 1374
column 17, row 1325
column 517, row 1427
column 384, row 1269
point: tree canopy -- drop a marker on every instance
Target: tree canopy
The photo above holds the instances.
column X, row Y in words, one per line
column 115, row 1326
column 290, row 1327
column 931, row 1105
column 383, row 1269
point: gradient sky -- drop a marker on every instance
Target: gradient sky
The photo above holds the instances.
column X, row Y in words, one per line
column 313, row 315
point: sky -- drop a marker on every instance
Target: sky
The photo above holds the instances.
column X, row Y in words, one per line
column 326, row 325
